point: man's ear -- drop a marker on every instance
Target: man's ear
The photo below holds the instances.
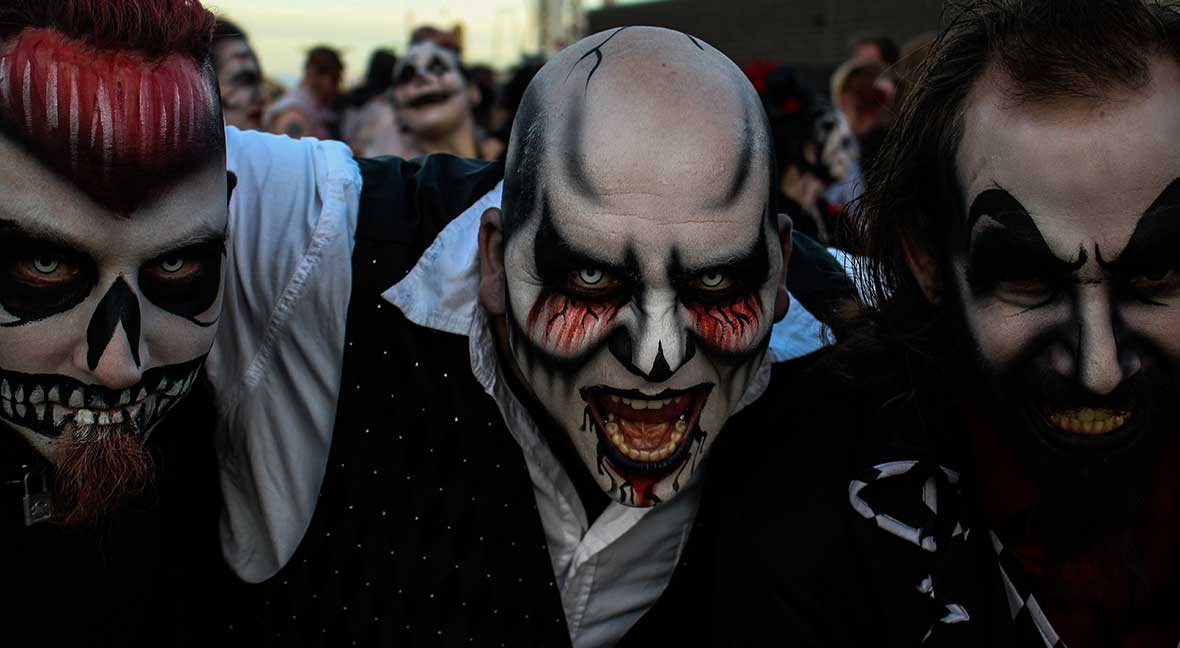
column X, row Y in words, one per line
column 924, row 268
column 782, row 299
column 492, row 293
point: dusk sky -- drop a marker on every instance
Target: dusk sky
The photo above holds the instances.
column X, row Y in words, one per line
column 498, row 31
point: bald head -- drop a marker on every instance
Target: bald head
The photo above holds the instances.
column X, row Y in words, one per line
column 637, row 109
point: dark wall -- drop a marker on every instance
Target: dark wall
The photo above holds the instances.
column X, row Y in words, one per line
column 813, row 35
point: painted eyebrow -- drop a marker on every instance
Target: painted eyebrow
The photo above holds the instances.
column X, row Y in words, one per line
column 1015, row 248
column 1156, row 238
column 555, row 253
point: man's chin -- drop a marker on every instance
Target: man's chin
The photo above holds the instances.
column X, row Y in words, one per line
column 98, row 467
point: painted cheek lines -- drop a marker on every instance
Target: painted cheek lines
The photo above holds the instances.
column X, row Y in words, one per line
column 566, row 327
column 730, row 327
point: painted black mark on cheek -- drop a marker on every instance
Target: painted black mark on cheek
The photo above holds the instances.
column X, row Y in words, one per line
column 597, row 52
column 695, row 42
column 119, row 306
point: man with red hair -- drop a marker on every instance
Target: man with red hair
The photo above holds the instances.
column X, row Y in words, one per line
column 112, row 239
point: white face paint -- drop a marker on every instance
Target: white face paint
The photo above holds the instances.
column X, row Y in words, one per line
column 642, row 294
column 839, row 145
column 1068, row 271
column 430, row 94
column 103, row 320
column 240, row 79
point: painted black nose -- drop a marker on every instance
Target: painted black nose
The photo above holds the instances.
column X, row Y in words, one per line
column 119, row 305
column 622, row 348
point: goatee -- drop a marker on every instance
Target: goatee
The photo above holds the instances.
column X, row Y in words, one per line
column 99, row 467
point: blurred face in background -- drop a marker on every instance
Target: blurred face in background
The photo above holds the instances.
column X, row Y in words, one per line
column 240, row 78
column 430, row 93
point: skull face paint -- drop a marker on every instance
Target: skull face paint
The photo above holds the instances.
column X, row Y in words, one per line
column 431, row 96
column 1067, row 266
column 112, row 237
column 641, row 286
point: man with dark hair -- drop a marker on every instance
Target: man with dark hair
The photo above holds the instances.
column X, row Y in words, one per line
column 991, row 462
column 309, row 109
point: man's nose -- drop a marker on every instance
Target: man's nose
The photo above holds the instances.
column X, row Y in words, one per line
column 659, row 344
column 1099, row 367
column 112, row 339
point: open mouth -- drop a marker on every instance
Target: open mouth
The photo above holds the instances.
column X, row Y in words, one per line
column 646, row 434
column 1089, row 421
column 46, row 403
column 429, row 98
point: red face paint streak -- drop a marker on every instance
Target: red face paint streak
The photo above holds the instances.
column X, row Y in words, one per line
column 565, row 326
column 114, row 122
column 730, row 328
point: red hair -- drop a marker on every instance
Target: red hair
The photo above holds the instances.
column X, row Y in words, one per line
column 116, row 95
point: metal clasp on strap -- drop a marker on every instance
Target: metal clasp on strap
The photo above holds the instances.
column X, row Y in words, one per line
column 38, row 504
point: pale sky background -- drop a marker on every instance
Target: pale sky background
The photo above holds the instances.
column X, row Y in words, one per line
column 497, row 31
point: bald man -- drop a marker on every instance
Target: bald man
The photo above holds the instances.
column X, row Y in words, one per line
column 528, row 394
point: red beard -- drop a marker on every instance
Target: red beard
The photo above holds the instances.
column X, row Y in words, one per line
column 98, row 468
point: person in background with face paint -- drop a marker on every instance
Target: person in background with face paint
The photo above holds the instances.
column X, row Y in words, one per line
column 239, row 77
column 991, row 459
column 112, row 240
column 814, row 149
column 435, row 101
column 528, row 397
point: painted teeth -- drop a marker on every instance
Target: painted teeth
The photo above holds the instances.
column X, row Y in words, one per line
column 125, row 397
column 84, row 417
column 59, row 414
column 39, row 408
column 19, row 396
column 54, row 394
column 76, row 400
column 97, row 401
column 37, row 395
column 21, row 409
column 5, row 390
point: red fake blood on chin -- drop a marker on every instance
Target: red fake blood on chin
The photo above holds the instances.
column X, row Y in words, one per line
column 565, row 326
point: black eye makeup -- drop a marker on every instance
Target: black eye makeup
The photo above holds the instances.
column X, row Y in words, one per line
column 725, row 281
column 40, row 278
column 187, row 281
column 1009, row 258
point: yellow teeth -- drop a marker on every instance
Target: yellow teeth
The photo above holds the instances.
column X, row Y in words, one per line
column 1089, row 421
column 658, row 454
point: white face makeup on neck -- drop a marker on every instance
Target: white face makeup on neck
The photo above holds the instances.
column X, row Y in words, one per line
column 1068, row 270
column 429, row 92
column 104, row 320
column 240, row 79
column 642, row 288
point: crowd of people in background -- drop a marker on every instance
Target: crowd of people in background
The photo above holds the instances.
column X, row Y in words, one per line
column 429, row 100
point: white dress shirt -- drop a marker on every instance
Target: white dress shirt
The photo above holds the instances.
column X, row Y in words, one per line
column 276, row 369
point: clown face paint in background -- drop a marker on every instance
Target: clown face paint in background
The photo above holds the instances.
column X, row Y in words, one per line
column 1069, row 268
column 431, row 96
column 112, row 233
column 642, row 289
